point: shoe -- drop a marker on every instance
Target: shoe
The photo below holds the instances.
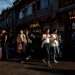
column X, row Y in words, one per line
column 44, row 61
column 28, row 58
column 55, row 61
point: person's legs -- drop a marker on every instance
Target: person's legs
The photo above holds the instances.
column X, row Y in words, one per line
column 3, row 53
column 44, row 54
column 48, row 52
column 51, row 53
column 59, row 54
column 58, row 50
column 19, row 57
column 55, row 55
column 30, row 52
column 6, row 52
column 23, row 55
column 24, row 50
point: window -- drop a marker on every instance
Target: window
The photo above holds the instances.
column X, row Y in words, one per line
column 21, row 15
column 28, row 10
column 44, row 3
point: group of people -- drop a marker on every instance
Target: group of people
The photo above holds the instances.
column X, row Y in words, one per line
column 51, row 45
column 28, row 44
column 47, row 44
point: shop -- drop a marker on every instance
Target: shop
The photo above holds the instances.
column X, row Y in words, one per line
column 66, row 18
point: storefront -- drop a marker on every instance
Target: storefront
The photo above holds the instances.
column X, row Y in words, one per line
column 67, row 18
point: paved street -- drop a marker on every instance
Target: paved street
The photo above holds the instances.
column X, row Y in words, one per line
column 64, row 66
column 36, row 68
column 11, row 68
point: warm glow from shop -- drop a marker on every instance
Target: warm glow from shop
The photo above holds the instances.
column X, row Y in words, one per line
column 73, row 17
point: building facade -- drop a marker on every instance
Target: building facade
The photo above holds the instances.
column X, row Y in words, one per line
column 54, row 13
column 43, row 11
column 24, row 12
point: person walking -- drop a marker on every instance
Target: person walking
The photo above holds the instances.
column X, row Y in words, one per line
column 54, row 42
column 21, row 45
column 46, row 46
column 4, row 37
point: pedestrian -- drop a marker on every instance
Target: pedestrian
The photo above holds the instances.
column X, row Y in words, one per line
column 23, row 40
column 21, row 45
column 4, row 37
column 46, row 46
column 29, row 45
column 54, row 43
column 33, row 43
column 0, row 48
